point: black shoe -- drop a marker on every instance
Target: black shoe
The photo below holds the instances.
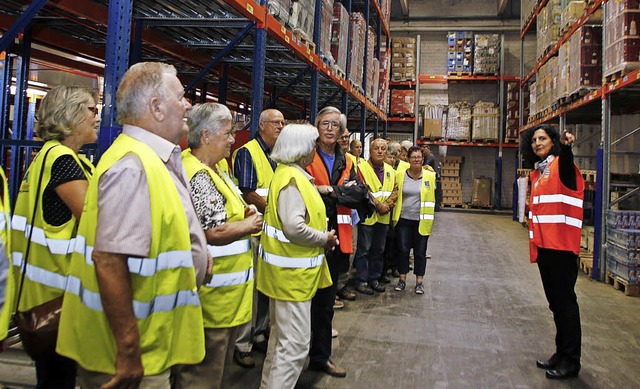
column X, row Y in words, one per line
column 260, row 347
column 550, row 364
column 395, row 273
column 344, row 294
column 328, row 367
column 375, row 285
column 563, row 371
column 244, row 359
column 384, row 280
column 364, row 288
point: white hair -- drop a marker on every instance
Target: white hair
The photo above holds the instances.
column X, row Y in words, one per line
column 294, row 142
column 406, row 144
column 209, row 116
column 327, row 110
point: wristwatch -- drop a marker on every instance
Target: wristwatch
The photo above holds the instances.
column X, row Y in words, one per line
column 329, row 189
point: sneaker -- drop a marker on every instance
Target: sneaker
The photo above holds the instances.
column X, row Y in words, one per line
column 400, row 286
column 338, row 304
column 244, row 359
column 334, row 333
column 375, row 285
column 344, row 294
column 419, row 289
column 364, row 288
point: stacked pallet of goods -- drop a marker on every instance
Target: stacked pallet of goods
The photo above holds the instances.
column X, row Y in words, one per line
column 301, row 20
column 356, row 48
column 403, row 102
column 623, row 249
column 459, row 121
column 432, row 126
column 622, row 39
column 383, row 75
column 486, row 54
column 326, row 21
column 451, row 185
column 340, row 37
column 485, row 122
column 373, row 65
column 548, row 27
column 513, row 112
column 460, row 52
column 403, row 59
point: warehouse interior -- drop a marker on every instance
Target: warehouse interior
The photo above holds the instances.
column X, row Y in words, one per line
column 464, row 77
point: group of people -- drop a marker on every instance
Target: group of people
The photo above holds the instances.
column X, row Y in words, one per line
column 170, row 262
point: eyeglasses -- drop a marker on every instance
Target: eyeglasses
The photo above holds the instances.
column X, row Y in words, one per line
column 276, row 122
column 416, row 157
column 326, row 124
column 345, row 136
column 94, row 110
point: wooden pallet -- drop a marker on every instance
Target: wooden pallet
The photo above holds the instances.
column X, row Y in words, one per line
column 404, row 115
column 621, row 71
column 623, row 285
column 457, row 139
column 511, row 140
column 485, row 140
column 478, row 206
column 453, row 205
column 486, row 74
column 589, row 175
column 300, row 36
column 586, row 262
column 339, row 72
column 460, row 74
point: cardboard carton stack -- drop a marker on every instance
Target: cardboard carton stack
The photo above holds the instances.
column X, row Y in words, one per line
column 622, row 38
column 548, row 26
column 372, row 71
column 481, row 195
column 403, row 59
column 485, row 122
column 459, row 121
column 326, row 23
column 460, row 52
column 513, row 111
column 302, row 16
column 585, row 59
column 356, row 48
column 402, row 102
column 383, row 76
column 432, row 126
column 486, row 54
column 340, row 37
column 451, row 186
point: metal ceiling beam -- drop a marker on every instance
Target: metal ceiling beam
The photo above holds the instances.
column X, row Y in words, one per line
column 21, row 23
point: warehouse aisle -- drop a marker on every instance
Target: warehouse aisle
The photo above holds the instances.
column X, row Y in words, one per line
column 481, row 324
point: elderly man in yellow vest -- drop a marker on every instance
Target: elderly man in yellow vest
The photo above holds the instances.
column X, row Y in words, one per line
column 253, row 168
column 131, row 309
column 372, row 232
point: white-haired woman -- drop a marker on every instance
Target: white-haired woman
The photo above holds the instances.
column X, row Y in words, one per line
column 292, row 265
column 50, row 200
column 228, row 223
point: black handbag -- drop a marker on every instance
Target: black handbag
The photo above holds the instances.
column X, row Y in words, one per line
column 38, row 326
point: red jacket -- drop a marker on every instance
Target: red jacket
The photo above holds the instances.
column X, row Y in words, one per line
column 555, row 211
column 319, row 172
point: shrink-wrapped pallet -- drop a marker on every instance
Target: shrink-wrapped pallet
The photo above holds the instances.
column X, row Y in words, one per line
column 369, row 57
column 622, row 38
column 548, row 26
column 383, row 76
column 325, row 31
column 340, row 36
column 403, row 102
column 403, row 59
column 280, row 9
column 485, row 122
column 585, row 59
column 302, row 18
column 356, row 51
column 486, row 54
column 459, row 121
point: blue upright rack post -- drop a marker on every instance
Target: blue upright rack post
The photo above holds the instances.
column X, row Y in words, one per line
column 116, row 64
column 20, row 113
column 6, row 69
column 598, row 211
column 257, row 76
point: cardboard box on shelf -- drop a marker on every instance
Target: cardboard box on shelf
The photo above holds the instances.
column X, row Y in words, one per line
column 481, row 194
column 454, row 159
column 432, row 128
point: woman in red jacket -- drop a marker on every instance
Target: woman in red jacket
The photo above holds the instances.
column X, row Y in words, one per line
column 555, row 224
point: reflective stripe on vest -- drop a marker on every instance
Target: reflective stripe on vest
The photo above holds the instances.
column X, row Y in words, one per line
column 231, row 279
column 558, row 198
column 263, row 192
column 55, row 246
column 344, row 219
column 233, row 248
column 38, row 274
column 274, row 233
column 291, row 263
column 427, row 217
column 142, row 310
column 557, row 219
column 427, row 204
column 381, row 194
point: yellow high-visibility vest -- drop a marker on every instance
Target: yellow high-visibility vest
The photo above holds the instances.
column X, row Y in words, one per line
column 6, row 308
column 286, row 270
column 165, row 296
column 227, row 299
column 379, row 190
column 427, row 200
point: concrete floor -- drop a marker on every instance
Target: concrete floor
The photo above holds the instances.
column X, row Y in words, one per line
column 482, row 323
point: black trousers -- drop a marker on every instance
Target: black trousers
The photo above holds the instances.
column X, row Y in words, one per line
column 322, row 312
column 55, row 372
column 559, row 272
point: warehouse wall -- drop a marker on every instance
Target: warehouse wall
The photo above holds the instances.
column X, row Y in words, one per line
column 460, row 8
